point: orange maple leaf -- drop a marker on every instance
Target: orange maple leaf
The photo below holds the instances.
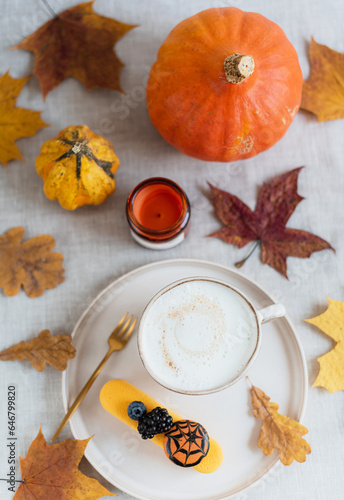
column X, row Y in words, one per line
column 77, row 43
column 278, row 431
column 323, row 93
column 51, row 472
column 30, row 264
column 15, row 122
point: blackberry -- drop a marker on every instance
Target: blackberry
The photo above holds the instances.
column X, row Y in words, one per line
column 136, row 409
column 154, row 422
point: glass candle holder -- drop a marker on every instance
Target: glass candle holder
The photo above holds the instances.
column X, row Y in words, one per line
column 158, row 213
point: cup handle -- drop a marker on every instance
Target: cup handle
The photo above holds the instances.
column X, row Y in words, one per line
column 271, row 312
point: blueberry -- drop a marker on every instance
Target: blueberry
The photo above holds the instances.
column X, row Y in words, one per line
column 136, row 409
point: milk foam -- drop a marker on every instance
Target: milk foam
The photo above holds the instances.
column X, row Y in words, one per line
column 198, row 335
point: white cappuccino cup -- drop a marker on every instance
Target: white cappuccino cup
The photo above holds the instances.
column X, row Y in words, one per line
column 200, row 335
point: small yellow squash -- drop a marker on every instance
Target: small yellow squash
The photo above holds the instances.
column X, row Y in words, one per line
column 78, row 167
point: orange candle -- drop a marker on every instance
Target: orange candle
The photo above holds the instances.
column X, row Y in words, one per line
column 157, row 206
column 158, row 213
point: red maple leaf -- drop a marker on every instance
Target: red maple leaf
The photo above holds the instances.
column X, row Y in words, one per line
column 77, row 43
column 276, row 202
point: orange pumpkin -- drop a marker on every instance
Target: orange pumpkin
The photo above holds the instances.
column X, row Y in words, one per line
column 226, row 85
column 78, row 167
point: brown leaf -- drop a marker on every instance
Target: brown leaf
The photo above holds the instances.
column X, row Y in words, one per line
column 278, row 431
column 55, row 350
column 31, row 264
column 276, row 203
column 51, row 472
column 15, row 122
column 323, row 92
column 77, row 43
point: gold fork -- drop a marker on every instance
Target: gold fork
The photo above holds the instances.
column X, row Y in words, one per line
column 117, row 341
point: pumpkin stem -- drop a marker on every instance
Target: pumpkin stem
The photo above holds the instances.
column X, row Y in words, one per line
column 238, row 67
column 78, row 146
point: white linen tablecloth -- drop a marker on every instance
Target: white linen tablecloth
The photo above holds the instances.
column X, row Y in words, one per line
column 98, row 248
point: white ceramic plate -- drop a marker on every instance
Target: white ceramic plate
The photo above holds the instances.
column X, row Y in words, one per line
column 140, row 468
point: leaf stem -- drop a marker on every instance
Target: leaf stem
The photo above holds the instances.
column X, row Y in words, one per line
column 50, row 9
column 248, row 380
column 242, row 262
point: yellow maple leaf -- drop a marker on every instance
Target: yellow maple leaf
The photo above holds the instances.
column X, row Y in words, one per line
column 15, row 122
column 331, row 322
column 278, row 431
column 323, row 92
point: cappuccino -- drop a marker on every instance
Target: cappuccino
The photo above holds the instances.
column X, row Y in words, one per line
column 198, row 335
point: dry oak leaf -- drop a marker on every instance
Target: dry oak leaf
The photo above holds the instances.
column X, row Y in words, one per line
column 331, row 322
column 15, row 122
column 278, row 431
column 55, row 350
column 323, row 93
column 51, row 472
column 77, row 43
column 276, row 202
column 30, row 264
